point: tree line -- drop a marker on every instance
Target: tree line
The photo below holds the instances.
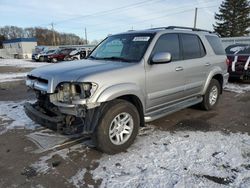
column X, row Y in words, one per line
column 44, row 36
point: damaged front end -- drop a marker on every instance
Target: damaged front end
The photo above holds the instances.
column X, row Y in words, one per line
column 66, row 110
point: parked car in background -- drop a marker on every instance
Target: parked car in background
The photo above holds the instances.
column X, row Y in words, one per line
column 130, row 78
column 38, row 50
column 59, row 55
column 76, row 55
column 43, row 56
column 238, row 61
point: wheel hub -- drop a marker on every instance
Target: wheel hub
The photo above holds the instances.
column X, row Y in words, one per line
column 121, row 128
column 213, row 95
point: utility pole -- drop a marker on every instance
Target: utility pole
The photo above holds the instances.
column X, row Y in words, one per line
column 86, row 38
column 53, row 33
column 195, row 17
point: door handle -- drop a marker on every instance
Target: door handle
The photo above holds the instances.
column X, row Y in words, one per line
column 178, row 68
column 207, row 64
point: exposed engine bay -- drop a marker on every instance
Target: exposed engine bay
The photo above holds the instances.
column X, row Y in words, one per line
column 66, row 109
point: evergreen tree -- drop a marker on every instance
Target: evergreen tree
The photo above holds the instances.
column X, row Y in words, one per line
column 233, row 19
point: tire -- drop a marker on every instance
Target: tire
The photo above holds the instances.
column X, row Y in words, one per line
column 104, row 139
column 53, row 60
column 41, row 59
column 212, row 95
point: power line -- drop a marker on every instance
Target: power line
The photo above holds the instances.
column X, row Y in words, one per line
column 156, row 18
column 121, row 20
column 141, row 3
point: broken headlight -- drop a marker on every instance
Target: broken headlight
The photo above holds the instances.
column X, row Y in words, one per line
column 71, row 93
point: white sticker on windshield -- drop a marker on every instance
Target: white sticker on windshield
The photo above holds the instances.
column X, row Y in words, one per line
column 141, row 38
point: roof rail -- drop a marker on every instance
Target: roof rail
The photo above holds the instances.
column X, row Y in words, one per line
column 180, row 27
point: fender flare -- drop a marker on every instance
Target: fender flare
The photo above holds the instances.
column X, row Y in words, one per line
column 119, row 90
column 215, row 71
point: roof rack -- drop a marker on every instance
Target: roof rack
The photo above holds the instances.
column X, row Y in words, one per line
column 180, row 27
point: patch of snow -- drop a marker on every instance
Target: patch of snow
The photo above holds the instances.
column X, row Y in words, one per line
column 78, row 179
column 237, row 88
column 21, row 63
column 181, row 159
column 42, row 166
column 6, row 77
column 13, row 116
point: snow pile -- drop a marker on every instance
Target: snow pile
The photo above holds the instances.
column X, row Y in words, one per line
column 182, row 159
column 6, row 77
column 237, row 88
column 20, row 63
column 78, row 179
column 42, row 166
column 12, row 116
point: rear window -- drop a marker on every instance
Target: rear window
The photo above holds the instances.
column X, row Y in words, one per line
column 192, row 46
column 216, row 45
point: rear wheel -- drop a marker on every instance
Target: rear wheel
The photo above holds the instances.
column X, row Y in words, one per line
column 118, row 127
column 211, row 97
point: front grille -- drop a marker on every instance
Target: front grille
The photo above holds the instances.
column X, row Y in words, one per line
column 37, row 83
column 38, row 79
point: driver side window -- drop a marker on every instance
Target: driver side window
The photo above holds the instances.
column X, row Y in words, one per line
column 168, row 43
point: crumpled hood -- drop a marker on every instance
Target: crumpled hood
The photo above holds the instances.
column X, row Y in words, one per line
column 73, row 70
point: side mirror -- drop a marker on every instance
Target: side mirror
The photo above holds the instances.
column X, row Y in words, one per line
column 161, row 57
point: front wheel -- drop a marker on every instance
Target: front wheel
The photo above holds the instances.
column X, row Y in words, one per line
column 118, row 127
column 211, row 97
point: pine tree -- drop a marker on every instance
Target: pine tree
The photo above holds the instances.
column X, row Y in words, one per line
column 233, row 19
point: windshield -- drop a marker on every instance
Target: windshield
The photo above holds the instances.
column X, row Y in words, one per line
column 124, row 47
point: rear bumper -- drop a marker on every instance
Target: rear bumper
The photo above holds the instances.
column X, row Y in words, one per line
column 43, row 119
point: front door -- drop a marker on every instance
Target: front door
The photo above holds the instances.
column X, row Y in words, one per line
column 165, row 82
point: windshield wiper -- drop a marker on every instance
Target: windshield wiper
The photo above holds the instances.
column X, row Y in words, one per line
column 117, row 58
column 92, row 57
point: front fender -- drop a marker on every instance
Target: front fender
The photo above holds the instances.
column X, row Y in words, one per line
column 119, row 90
column 215, row 71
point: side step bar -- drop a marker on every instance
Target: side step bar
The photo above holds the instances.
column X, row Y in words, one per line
column 171, row 109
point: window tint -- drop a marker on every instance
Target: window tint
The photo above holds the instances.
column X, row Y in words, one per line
column 168, row 43
column 216, row 45
column 192, row 46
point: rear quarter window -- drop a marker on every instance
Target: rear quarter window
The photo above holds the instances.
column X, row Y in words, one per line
column 216, row 45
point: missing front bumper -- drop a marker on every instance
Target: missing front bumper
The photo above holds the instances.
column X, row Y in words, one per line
column 84, row 125
column 51, row 122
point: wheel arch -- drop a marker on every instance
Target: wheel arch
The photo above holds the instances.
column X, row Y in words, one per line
column 215, row 74
column 133, row 99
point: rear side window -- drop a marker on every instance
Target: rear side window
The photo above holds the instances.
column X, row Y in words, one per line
column 216, row 45
column 192, row 46
column 168, row 43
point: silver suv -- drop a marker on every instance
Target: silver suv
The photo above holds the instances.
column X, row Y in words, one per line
column 129, row 79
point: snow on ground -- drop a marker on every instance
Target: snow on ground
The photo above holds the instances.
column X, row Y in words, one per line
column 156, row 159
column 21, row 63
column 78, row 179
column 7, row 77
column 181, row 159
column 237, row 88
column 12, row 116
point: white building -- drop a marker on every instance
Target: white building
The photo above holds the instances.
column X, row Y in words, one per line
column 20, row 47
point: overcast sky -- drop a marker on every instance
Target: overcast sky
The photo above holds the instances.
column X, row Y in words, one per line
column 105, row 17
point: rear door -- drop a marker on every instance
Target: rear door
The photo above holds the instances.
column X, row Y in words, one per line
column 196, row 65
